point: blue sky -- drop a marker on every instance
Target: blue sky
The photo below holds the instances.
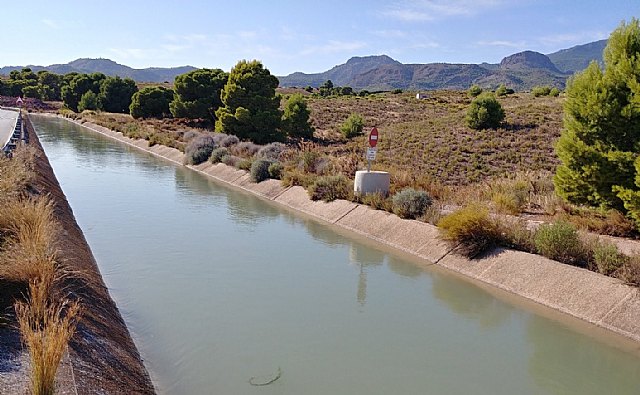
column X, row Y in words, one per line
column 308, row 36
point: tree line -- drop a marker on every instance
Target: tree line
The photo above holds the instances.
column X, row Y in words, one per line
column 242, row 102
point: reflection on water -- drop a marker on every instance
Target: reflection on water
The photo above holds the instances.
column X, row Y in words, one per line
column 218, row 286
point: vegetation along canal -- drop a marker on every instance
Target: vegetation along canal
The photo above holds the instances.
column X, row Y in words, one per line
column 219, row 287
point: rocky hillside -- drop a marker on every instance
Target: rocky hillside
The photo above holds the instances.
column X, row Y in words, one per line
column 520, row 71
column 108, row 67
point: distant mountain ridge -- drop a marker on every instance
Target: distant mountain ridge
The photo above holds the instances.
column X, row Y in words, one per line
column 110, row 68
column 520, row 71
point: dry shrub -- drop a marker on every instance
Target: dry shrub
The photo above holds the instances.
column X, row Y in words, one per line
column 46, row 334
column 606, row 257
column 611, row 222
column 377, row 201
column 294, row 176
column 29, row 232
column 245, row 149
column 471, row 230
column 630, row 271
column 329, row 188
column 516, row 234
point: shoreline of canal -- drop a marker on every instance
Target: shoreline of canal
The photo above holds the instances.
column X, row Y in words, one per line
column 603, row 301
column 102, row 354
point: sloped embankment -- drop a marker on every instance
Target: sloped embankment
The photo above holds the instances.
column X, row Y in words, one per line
column 600, row 300
column 102, row 354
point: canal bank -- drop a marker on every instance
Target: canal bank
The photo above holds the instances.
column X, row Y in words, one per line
column 594, row 298
column 102, row 357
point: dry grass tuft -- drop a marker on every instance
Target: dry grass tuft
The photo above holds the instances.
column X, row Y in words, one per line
column 46, row 333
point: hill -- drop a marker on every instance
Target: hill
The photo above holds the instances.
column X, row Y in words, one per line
column 520, row 71
column 578, row 58
column 108, row 67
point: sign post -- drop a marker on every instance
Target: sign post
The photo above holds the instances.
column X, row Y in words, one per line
column 372, row 150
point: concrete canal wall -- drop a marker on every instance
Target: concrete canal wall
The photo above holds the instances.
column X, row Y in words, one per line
column 603, row 301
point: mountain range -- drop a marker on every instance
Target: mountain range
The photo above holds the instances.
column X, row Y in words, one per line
column 108, row 67
column 520, row 71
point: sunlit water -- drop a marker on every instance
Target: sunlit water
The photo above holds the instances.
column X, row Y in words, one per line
column 218, row 286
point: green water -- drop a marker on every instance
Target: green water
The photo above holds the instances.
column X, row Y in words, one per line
column 218, row 286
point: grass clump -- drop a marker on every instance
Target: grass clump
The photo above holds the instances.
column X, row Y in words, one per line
column 244, row 164
column 630, row 271
column 199, row 149
column 410, row 204
column 260, row 170
column 329, row 188
column 560, row 241
column 46, row 334
column 471, row 230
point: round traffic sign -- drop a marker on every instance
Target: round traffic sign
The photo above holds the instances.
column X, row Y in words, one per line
column 373, row 137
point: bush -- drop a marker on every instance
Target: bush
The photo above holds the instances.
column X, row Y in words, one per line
column 630, row 271
column 410, row 204
column 353, row 126
column 151, row 102
column 244, row 164
column 471, row 230
column 538, row 91
column 501, row 91
column 231, row 160
column 295, row 119
column 485, row 112
column 555, row 92
column 474, row 91
column 199, row 149
column 271, row 151
column 227, row 140
column 396, row 91
column 275, row 170
column 260, row 170
column 329, row 188
column 607, row 258
column 560, row 241
column 246, row 149
column 218, row 154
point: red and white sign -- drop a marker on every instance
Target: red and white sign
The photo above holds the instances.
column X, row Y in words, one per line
column 373, row 137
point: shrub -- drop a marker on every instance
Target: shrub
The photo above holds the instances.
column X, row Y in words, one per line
column 244, row 164
column 474, row 91
column 630, row 271
column 377, row 201
column 260, row 170
column 410, row 204
column 199, row 149
column 607, row 258
column 275, row 170
column 353, row 126
column 560, row 241
column 271, row 151
column 471, row 230
column 510, row 196
column 501, row 91
column 231, row 160
column 218, row 154
column 555, row 92
column 226, row 140
column 538, row 91
column 329, row 188
column 484, row 112
column 245, row 149
column 295, row 119
column 396, row 91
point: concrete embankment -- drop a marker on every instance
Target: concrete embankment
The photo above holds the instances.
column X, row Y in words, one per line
column 102, row 357
column 594, row 298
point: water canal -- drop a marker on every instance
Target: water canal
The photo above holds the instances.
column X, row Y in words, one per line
column 218, row 286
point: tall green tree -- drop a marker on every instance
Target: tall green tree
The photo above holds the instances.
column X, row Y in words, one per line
column 295, row 120
column 51, row 85
column 251, row 107
column 116, row 93
column 600, row 142
column 78, row 86
column 151, row 102
column 198, row 93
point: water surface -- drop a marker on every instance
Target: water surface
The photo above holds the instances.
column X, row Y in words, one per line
column 218, row 286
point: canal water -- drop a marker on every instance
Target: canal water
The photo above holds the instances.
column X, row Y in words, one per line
column 219, row 287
